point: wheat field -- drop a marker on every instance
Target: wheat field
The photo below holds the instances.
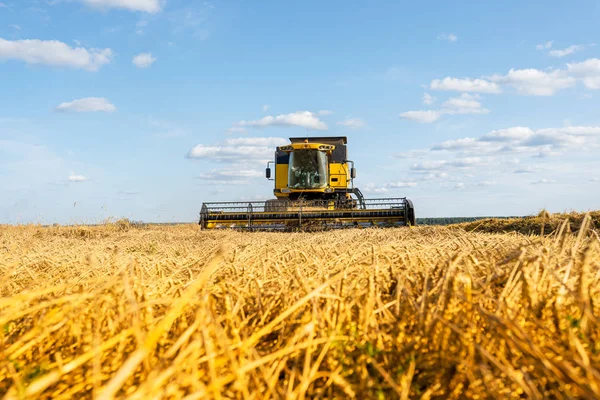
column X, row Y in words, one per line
column 174, row 312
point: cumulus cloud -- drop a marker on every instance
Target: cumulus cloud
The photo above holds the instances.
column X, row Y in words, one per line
column 545, row 46
column 236, row 129
column 353, row 123
column 54, row 53
column 529, row 81
column 231, row 176
column 245, row 158
column 465, row 85
column 428, row 99
column 588, row 71
column 525, row 170
column 77, row 178
column 565, row 52
column 429, row 165
column 244, row 150
column 457, row 144
column 143, row 60
column 429, row 176
column 373, row 188
column 422, row 116
column 462, row 105
column 400, row 184
column 87, row 104
column 543, row 181
column 541, row 143
column 149, row 6
column 304, row 119
column 450, row 37
column 534, row 82
column 465, row 104
column 484, row 183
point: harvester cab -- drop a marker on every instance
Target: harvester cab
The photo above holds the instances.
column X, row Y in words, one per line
column 313, row 187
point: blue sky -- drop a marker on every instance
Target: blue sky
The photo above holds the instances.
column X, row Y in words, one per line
column 146, row 108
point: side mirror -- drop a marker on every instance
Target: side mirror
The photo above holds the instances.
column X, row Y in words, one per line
column 352, row 172
column 268, row 173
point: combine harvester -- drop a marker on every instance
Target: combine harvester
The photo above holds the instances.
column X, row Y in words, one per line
column 314, row 188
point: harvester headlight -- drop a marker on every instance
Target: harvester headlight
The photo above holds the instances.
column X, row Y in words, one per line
column 328, row 190
column 325, row 147
column 286, row 148
column 286, row 190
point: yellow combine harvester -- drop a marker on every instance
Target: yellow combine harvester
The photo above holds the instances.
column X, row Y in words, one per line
column 314, row 188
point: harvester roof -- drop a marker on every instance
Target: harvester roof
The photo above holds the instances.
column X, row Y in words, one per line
column 323, row 139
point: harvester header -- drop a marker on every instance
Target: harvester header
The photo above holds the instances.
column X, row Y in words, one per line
column 314, row 188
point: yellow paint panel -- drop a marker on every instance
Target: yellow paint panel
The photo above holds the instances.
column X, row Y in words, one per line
column 339, row 175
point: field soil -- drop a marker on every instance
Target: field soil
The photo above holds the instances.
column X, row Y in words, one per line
column 175, row 312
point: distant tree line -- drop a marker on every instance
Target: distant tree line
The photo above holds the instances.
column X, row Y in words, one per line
column 453, row 220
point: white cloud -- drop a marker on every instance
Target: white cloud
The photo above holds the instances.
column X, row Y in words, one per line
column 545, row 46
column 428, row 99
column 465, row 104
column 77, row 178
column 238, row 150
column 149, row 6
column 543, row 181
column 539, row 143
column 565, row 52
column 422, row 116
column 485, row 183
column 87, row 104
column 450, row 37
column 324, row 113
column 459, row 185
column 457, row 144
column 373, row 188
column 434, row 176
column 594, row 179
column 588, row 71
column 534, row 82
column 236, row 129
column 513, row 134
column 526, row 170
column 304, row 119
column 353, row 123
column 462, row 105
column 429, row 165
column 400, row 184
column 266, row 107
column 529, row 81
column 466, row 162
column 143, row 60
column 54, row 53
column 231, row 176
column 465, row 85
column 256, row 141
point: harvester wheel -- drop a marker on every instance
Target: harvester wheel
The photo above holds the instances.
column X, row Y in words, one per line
column 410, row 213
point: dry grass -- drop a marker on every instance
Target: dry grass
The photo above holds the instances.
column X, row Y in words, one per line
column 544, row 223
column 172, row 312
